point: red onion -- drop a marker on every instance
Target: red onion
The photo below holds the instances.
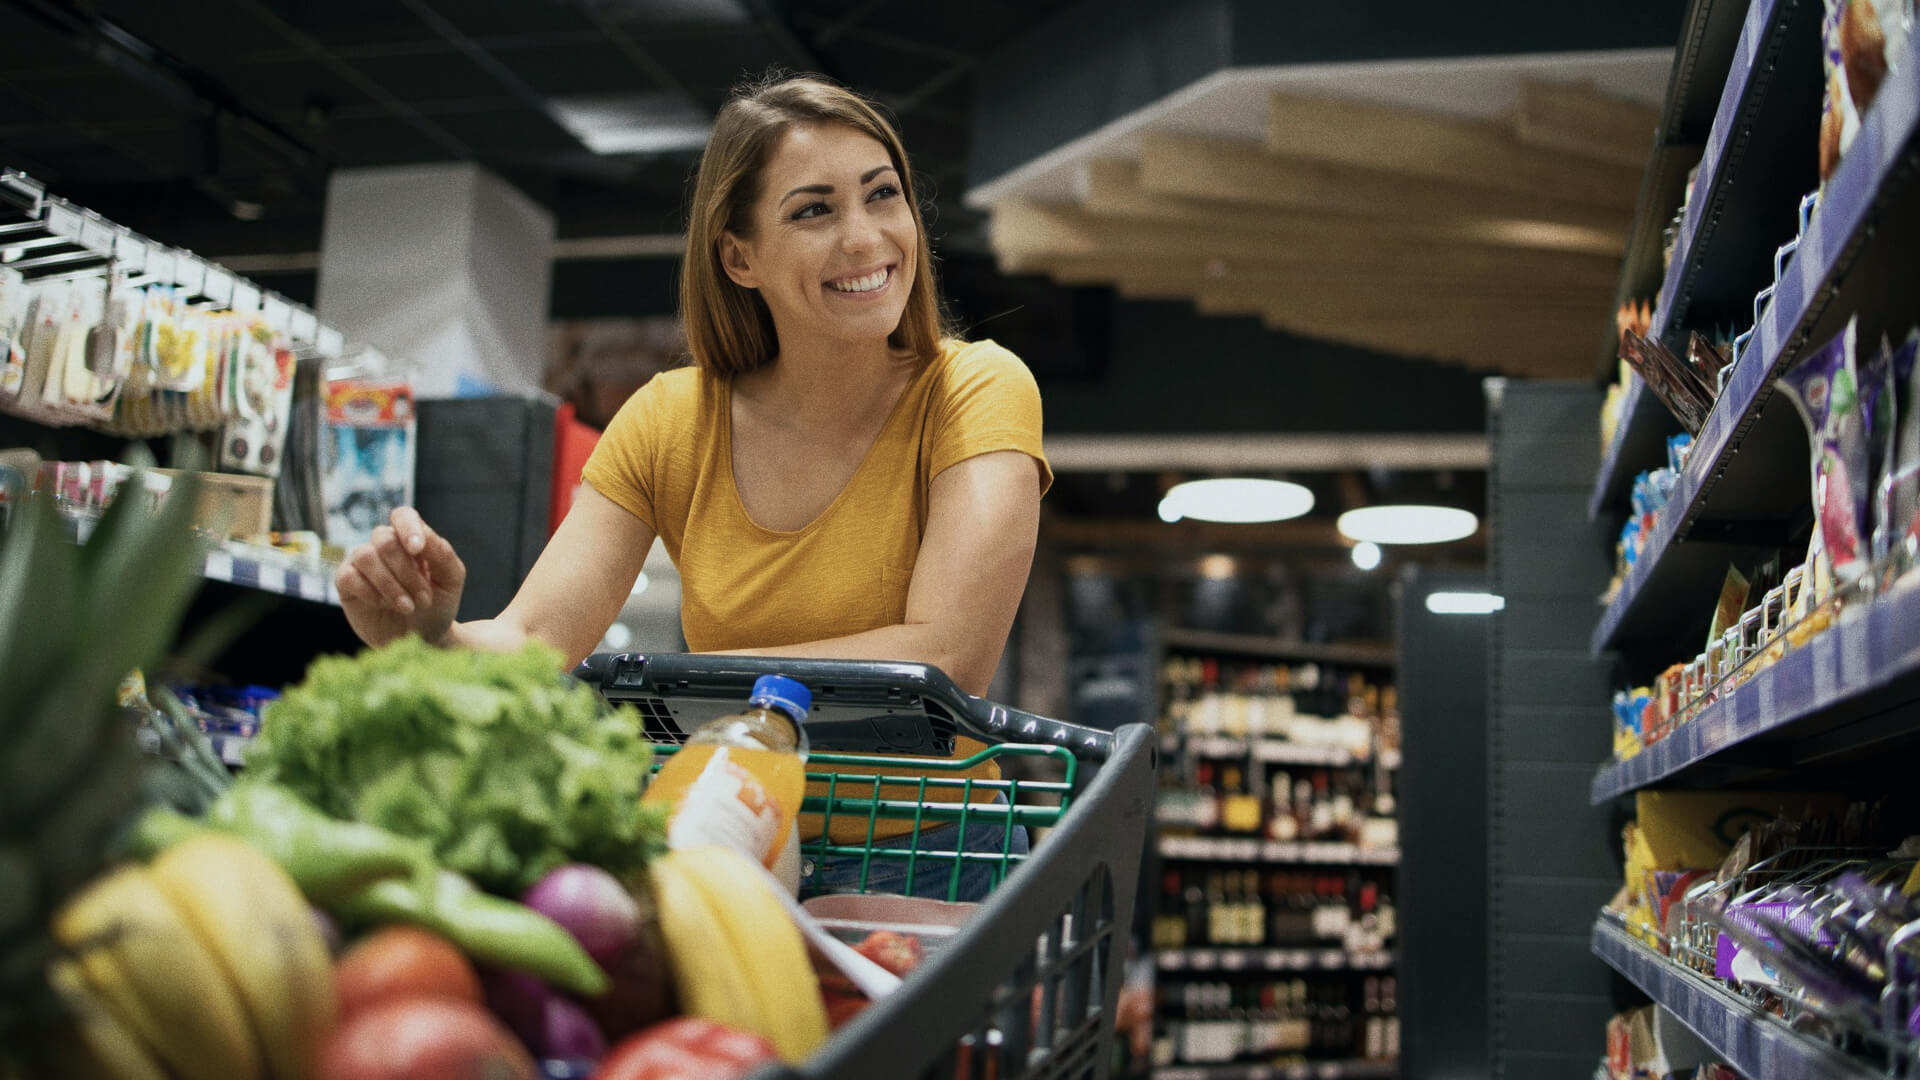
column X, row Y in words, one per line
column 592, row 905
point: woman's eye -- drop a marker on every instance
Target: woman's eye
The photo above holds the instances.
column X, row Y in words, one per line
column 884, row 191
column 810, row 210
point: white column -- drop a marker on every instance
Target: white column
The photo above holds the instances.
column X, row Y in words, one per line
column 445, row 269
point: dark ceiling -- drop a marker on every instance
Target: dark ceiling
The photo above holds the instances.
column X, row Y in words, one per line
column 185, row 119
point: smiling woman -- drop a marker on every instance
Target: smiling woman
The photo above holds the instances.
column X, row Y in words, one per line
column 835, row 476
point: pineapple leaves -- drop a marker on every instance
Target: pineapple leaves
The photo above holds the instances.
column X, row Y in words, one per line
column 39, row 579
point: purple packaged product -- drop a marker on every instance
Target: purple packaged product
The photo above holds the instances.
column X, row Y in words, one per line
column 1825, row 389
column 1903, row 451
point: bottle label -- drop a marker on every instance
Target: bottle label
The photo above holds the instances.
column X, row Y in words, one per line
column 729, row 806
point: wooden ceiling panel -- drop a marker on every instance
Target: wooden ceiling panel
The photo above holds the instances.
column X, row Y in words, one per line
column 1231, row 171
column 1434, row 146
column 1582, row 122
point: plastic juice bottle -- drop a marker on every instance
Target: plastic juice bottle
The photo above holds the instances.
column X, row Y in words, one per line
column 739, row 779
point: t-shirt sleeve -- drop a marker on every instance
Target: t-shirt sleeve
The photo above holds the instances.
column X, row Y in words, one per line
column 624, row 461
column 990, row 402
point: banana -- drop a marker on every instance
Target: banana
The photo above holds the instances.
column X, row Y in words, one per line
column 148, row 966
column 778, row 972
column 251, row 917
column 709, row 974
column 104, row 1049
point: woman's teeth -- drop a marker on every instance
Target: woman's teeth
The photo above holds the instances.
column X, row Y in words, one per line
column 862, row 284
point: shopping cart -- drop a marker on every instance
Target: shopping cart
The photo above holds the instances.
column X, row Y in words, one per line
column 1027, row 988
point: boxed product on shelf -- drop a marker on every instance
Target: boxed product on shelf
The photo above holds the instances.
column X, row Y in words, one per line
column 369, row 457
column 1650, row 1043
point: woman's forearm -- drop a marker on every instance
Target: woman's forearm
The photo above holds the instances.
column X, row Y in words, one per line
column 485, row 635
column 969, row 664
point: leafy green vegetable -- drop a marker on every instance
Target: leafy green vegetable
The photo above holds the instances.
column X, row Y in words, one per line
column 507, row 769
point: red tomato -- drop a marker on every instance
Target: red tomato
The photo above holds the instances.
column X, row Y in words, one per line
column 423, row 1039
column 402, row 962
column 686, row 1049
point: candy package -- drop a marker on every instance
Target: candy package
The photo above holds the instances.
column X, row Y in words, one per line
column 1902, row 520
column 1680, row 388
column 1860, row 41
column 1826, row 389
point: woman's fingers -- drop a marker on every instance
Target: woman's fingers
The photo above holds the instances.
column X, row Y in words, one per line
column 404, row 568
column 373, row 569
column 442, row 565
column 410, row 527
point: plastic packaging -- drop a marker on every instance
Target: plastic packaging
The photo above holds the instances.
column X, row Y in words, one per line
column 739, row 779
column 1826, row 389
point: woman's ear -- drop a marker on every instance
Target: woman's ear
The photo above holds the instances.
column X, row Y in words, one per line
column 736, row 258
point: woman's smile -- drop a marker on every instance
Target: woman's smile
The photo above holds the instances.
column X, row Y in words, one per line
column 864, row 285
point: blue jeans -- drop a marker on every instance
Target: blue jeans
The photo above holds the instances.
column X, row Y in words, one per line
column 931, row 873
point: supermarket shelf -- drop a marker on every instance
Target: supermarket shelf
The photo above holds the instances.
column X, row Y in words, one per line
column 1639, row 443
column 1271, row 648
column 1757, row 163
column 1741, row 476
column 1263, row 959
column 1272, row 751
column 1313, row 1070
column 231, row 748
column 1820, row 699
column 1754, row 1042
column 1235, row 850
column 235, row 569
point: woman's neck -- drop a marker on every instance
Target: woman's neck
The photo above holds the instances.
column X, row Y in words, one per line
column 829, row 384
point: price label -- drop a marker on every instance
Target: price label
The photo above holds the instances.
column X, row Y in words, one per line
column 246, row 298
column 190, row 274
column 1233, row 961
column 160, row 263
column 217, row 286
column 277, row 312
column 1333, row 958
column 63, row 220
column 131, row 252
column 96, row 235
column 1205, row 961
column 1299, row 960
column 1173, row 960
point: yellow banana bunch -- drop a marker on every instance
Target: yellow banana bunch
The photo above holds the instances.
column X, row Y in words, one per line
column 148, row 966
column 736, row 954
column 251, row 916
column 205, row 965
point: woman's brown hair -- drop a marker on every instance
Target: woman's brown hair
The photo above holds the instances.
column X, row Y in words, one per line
column 729, row 329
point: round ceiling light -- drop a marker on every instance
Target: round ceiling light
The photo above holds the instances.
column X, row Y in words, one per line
column 1235, row 500
column 1366, row 555
column 1408, row 524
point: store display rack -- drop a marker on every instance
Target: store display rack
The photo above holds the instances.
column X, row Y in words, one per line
column 1840, row 689
column 1754, row 1042
column 238, row 564
column 1739, row 488
column 1316, row 1070
column 1214, row 642
column 1273, row 751
column 1273, row 853
column 1260, row 959
column 231, row 748
column 52, row 236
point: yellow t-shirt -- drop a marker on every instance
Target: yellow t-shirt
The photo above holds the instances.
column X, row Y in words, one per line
column 667, row 457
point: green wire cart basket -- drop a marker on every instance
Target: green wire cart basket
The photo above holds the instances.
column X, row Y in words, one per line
column 1027, row 988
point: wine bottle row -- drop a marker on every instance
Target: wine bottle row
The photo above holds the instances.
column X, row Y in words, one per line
column 1216, row 908
column 1208, row 1023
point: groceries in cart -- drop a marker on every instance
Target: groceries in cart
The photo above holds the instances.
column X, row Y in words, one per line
column 438, row 862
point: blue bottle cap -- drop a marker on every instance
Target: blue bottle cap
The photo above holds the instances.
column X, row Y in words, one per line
column 780, row 692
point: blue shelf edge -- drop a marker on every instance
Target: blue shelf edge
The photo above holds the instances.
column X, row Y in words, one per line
column 315, row 586
column 1754, row 1042
column 1608, row 480
column 1797, row 301
column 1315, row 1070
column 1855, row 657
column 1732, row 100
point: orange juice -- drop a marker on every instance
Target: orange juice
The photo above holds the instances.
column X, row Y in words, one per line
column 739, row 780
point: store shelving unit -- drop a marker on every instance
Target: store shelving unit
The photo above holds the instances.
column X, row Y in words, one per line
column 1271, row 960
column 1272, row 751
column 1319, row 1070
column 1743, row 491
column 1254, row 852
column 315, row 585
column 1737, row 491
column 1753, row 1041
column 1270, row 648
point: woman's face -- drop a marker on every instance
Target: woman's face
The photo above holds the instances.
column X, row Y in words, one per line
column 834, row 242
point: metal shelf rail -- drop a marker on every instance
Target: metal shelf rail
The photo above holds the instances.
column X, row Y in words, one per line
column 1754, row 1042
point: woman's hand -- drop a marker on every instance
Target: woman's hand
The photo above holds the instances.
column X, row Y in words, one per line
column 406, row 580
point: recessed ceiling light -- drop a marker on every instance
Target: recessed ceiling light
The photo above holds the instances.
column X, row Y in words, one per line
column 632, row 123
column 1236, row 500
column 1366, row 555
column 1218, row 567
column 1465, row 603
column 1408, row 524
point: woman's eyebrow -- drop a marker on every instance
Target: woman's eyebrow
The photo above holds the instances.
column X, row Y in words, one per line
column 827, row 189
